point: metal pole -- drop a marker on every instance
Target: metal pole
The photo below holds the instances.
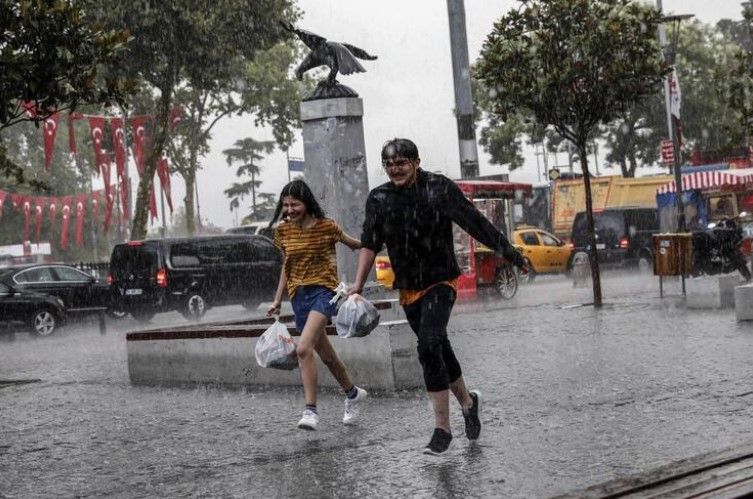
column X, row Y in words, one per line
column 538, row 163
column 672, row 130
column 127, row 174
column 461, row 76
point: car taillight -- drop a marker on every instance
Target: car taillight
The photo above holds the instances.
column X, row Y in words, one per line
column 110, row 279
column 624, row 243
column 135, row 243
column 162, row 278
column 383, row 265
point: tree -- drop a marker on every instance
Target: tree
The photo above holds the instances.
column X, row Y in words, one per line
column 263, row 87
column 53, row 58
column 248, row 152
column 739, row 89
column 189, row 44
column 573, row 65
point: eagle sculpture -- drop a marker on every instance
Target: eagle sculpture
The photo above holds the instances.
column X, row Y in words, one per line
column 338, row 57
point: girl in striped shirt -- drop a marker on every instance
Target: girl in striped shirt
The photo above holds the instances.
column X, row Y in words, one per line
column 309, row 273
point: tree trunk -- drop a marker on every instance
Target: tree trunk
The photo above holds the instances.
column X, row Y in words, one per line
column 623, row 167
column 188, row 202
column 141, row 213
column 253, row 192
column 594, row 256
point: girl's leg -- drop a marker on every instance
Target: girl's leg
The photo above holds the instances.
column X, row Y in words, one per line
column 330, row 358
column 313, row 329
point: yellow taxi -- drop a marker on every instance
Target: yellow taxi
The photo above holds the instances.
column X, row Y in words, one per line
column 384, row 273
column 546, row 254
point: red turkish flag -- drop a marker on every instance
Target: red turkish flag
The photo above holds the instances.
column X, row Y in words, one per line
column 118, row 143
column 17, row 201
column 65, row 224
column 30, row 108
column 39, row 204
column 96, row 200
column 53, row 205
column 97, row 129
column 110, row 201
column 80, row 215
column 105, row 169
column 27, row 216
column 72, row 133
column 163, row 171
column 50, row 131
column 3, row 195
column 140, row 141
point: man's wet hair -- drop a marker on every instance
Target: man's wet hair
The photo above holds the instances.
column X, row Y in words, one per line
column 399, row 148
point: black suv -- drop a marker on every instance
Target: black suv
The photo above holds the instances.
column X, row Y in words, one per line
column 623, row 235
column 191, row 274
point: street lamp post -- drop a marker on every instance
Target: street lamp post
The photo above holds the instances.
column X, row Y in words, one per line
column 669, row 56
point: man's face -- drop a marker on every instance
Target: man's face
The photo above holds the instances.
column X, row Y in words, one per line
column 402, row 172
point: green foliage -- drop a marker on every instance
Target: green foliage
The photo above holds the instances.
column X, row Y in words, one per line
column 571, row 64
column 52, row 56
column 247, row 152
column 740, row 81
column 197, row 45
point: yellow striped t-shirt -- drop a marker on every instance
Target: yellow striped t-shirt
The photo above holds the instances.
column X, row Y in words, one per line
column 310, row 257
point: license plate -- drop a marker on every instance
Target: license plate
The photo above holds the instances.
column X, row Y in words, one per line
column 131, row 292
column 600, row 246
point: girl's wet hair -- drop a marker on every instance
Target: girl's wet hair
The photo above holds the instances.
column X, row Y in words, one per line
column 399, row 148
column 299, row 190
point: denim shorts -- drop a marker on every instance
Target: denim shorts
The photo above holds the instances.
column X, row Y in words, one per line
column 308, row 298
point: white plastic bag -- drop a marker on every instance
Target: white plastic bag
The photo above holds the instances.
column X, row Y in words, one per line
column 276, row 349
column 356, row 317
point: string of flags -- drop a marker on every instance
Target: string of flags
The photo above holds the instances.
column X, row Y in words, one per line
column 141, row 126
column 68, row 207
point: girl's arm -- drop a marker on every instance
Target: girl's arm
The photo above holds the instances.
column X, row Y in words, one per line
column 351, row 242
column 281, row 285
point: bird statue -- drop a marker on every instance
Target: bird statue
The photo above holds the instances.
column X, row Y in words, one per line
column 338, row 57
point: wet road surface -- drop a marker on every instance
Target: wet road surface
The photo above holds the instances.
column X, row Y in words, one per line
column 572, row 397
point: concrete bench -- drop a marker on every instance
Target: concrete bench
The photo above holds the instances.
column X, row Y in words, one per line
column 712, row 291
column 744, row 302
column 224, row 354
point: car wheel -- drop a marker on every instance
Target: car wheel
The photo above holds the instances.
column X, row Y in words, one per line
column 506, row 282
column 43, row 322
column 194, row 306
column 645, row 266
column 143, row 315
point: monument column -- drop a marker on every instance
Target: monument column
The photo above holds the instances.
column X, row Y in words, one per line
column 335, row 167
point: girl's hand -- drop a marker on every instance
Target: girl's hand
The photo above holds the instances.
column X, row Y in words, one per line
column 274, row 309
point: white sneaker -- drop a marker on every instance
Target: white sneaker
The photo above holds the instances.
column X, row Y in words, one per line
column 353, row 406
column 309, row 421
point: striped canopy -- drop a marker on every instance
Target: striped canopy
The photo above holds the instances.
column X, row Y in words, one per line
column 736, row 179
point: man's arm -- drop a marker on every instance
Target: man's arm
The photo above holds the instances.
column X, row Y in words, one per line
column 464, row 213
column 365, row 262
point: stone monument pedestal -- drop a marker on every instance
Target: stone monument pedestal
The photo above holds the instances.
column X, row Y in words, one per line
column 335, row 168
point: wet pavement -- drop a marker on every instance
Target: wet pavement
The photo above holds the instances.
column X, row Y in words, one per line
column 572, row 397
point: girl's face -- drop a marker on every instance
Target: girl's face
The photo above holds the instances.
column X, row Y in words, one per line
column 293, row 208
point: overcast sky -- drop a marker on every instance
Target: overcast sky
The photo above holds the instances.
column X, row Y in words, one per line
column 407, row 92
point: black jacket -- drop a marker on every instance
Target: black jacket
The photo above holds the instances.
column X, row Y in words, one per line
column 415, row 223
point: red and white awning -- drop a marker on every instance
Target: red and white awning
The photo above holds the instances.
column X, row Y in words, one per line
column 718, row 179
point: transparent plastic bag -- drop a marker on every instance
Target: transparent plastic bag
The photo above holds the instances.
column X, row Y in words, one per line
column 276, row 349
column 356, row 317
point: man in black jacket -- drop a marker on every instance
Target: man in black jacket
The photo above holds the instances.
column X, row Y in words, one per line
column 412, row 215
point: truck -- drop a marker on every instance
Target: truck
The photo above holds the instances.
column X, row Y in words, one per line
column 568, row 197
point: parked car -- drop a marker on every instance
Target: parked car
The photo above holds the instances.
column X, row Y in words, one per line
column 544, row 252
column 38, row 313
column 623, row 235
column 77, row 292
column 254, row 228
column 192, row 274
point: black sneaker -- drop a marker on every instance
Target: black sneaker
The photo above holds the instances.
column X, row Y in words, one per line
column 471, row 416
column 439, row 443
